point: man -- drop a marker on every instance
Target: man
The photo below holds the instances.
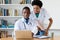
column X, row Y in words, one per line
column 26, row 23
column 41, row 16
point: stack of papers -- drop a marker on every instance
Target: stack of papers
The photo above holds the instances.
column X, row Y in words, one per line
column 43, row 37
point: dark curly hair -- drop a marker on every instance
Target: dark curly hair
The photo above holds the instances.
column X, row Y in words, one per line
column 37, row 2
column 26, row 8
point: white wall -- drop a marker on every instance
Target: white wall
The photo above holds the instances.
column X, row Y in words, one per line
column 53, row 8
column 56, row 32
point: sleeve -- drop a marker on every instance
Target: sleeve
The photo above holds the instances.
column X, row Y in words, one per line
column 46, row 15
column 16, row 26
column 46, row 18
column 34, row 29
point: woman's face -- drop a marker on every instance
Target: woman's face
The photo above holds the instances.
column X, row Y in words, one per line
column 36, row 9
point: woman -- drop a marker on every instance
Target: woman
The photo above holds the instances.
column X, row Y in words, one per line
column 41, row 17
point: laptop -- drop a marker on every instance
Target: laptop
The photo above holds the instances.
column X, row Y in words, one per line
column 23, row 35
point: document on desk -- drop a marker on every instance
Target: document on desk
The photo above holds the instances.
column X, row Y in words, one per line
column 42, row 37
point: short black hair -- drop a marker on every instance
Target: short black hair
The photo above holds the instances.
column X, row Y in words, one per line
column 37, row 2
column 26, row 8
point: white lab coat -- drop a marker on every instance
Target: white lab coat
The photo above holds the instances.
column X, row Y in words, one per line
column 43, row 18
column 21, row 25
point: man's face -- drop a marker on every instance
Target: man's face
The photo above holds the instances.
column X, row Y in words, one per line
column 26, row 13
column 36, row 9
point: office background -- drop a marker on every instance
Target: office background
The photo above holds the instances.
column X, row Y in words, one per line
column 52, row 7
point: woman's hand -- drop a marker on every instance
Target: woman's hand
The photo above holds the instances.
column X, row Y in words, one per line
column 46, row 32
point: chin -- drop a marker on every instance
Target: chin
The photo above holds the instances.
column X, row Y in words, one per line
column 26, row 17
column 35, row 12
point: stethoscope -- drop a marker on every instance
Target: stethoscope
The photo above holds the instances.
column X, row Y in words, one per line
column 25, row 24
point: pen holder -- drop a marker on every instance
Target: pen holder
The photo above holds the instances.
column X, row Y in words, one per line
column 52, row 36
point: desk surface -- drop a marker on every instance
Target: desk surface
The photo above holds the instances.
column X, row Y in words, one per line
column 54, row 38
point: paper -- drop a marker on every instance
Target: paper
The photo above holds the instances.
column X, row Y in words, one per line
column 43, row 37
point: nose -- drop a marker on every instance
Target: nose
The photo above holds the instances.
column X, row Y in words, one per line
column 26, row 14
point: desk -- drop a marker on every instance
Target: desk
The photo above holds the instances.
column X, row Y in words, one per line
column 9, row 38
column 54, row 38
